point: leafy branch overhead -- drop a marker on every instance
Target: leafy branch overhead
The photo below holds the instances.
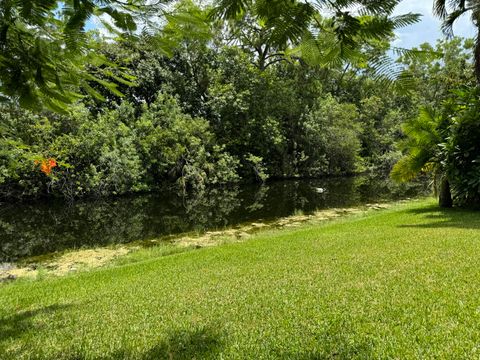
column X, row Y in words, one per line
column 325, row 33
column 44, row 48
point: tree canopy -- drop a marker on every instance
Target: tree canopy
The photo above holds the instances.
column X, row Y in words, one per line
column 44, row 45
column 451, row 12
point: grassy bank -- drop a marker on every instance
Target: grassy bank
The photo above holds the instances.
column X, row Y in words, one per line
column 400, row 283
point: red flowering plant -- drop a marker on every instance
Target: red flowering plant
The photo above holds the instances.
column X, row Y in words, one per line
column 46, row 165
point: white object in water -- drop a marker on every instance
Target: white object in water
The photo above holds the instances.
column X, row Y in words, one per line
column 320, row 190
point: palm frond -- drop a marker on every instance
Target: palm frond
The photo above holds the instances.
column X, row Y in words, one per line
column 450, row 19
column 440, row 8
column 421, row 144
column 229, row 9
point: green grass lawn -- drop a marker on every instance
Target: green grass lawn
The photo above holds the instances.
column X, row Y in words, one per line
column 400, row 283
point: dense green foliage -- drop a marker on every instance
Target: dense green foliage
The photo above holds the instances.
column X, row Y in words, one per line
column 210, row 114
column 202, row 122
column 114, row 152
column 444, row 138
column 240, row 98
column 396, row 284
column 462, row 148
column 276, row 29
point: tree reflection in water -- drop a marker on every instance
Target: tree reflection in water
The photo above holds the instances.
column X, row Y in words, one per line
column 45, row 227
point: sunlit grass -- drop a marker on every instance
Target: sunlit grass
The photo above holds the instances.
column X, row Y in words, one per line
column 400, row 283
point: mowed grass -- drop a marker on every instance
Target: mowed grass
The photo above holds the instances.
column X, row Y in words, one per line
column 402, row 283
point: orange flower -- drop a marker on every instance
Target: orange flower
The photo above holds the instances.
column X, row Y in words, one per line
column 52, row 163
column 46, row 166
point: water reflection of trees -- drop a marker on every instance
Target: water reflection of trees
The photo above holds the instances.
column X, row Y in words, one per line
column 211, row 208
column 39, row 228
column 31, row 229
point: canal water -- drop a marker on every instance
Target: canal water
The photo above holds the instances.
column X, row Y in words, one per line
column 32, row 229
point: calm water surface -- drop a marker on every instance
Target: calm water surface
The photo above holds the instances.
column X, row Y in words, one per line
column 32, row 229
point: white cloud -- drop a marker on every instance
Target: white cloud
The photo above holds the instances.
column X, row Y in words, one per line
column 429, row 27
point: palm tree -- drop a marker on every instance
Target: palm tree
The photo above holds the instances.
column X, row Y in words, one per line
column 425, row 135
column 451, row 11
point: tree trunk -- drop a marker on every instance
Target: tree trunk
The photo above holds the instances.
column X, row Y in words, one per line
column 477, row 58
column 445, row 195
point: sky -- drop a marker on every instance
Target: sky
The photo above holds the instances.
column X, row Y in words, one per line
column 428, row 29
